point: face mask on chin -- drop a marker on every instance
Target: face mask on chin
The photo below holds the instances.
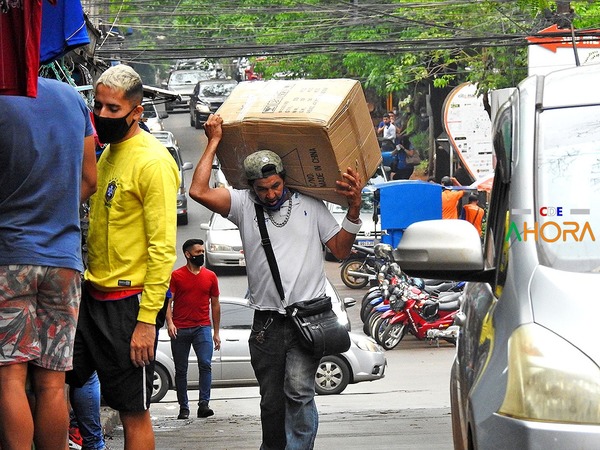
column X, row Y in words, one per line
column 112, row 129
column 277, row 205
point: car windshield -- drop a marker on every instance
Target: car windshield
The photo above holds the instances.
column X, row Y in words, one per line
column 366, row 205
column 216, row 90
column 188, row 77
column 568, row 189
column 221, row 223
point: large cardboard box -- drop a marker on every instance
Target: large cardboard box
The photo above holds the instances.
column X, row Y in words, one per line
column 318, row 127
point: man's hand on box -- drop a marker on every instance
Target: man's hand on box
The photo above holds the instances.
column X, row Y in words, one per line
column 350, row 187
column 212, row 127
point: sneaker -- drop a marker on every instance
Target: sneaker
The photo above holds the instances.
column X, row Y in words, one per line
column 75, row 439
column 183, row 414
column 204, row 410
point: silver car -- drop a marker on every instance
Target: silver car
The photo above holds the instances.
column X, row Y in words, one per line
column 370, row 232
column 527, row 367
column 168, row 140
column 364, row 361
column 151, row 117
column 183, row 82
column 223, row 243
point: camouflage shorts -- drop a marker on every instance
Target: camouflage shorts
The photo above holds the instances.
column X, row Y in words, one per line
column 38, row 315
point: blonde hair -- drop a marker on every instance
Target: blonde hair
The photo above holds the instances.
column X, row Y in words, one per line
column 123, row 78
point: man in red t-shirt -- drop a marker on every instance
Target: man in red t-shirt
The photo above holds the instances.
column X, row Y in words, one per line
column 194, row 300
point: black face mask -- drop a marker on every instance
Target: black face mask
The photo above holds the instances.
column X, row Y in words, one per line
column 112, row 129
column 197, row 260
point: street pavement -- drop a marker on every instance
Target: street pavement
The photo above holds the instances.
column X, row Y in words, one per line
column 408, row 409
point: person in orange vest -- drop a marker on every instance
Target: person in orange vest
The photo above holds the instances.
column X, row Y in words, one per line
column 473, row 213
column 450, row 198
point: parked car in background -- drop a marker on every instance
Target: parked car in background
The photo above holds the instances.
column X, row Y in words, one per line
column 217, row 177
column 168, row 140
column 183, row 83
column 206, row 98
column 151, row 117
column 364, row 361
column 527, row 368
column 223, row 243
column 370, row 232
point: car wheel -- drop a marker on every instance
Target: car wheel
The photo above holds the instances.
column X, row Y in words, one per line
column 182, row 219
column 333, row 375
column 160, row 384
column 197, row 123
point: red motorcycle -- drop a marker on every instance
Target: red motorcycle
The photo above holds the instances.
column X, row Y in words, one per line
column 414, row 311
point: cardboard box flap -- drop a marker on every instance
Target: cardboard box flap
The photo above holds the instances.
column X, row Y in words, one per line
column 305, row 101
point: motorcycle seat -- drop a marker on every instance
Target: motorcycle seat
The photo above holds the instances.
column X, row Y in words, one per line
column 444, row 297
column 449, row 306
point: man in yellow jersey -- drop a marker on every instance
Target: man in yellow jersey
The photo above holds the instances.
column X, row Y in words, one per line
column 131, row 252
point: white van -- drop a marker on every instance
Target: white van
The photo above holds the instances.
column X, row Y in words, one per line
column 527, row 367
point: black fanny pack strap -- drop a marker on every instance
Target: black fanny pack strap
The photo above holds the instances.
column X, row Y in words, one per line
column 266, row 243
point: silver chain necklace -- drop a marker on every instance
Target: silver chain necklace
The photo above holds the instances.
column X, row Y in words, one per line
column 287, row 216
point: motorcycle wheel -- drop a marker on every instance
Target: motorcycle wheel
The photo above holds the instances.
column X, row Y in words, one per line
column 368, row 324
column 392, row 335
column 379, row 326
column 367, row 306
column 352, row 282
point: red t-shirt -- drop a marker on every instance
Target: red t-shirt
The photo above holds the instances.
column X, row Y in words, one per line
column 191, row 296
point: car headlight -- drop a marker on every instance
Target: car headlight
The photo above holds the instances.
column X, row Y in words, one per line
column 368, row 345
column 549, row 379
column 220, row 248
column 201, row 107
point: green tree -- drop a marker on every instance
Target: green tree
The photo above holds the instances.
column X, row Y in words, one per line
column 394, row 46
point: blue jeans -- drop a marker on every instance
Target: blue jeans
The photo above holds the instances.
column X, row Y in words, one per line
column 286, row 376
column 200, row 338
column 85, row 402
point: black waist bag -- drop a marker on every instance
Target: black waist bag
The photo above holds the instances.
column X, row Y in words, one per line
column 318, row 327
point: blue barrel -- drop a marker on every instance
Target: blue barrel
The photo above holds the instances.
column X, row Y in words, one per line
column 403, row 202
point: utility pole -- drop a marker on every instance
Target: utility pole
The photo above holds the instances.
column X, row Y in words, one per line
column 563, row 8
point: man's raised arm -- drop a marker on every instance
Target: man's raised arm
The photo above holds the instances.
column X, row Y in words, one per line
column 215, row 199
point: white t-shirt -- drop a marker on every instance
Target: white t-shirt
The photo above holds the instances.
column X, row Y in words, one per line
column 297, row 246
column 389, row 132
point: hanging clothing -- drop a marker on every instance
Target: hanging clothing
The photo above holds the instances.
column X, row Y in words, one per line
column 63, row 29
column 20, row 30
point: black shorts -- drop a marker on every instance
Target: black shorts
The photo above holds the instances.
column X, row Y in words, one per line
column 102, row 343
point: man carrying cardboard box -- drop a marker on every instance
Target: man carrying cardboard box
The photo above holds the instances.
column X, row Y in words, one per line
column 298, row 225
